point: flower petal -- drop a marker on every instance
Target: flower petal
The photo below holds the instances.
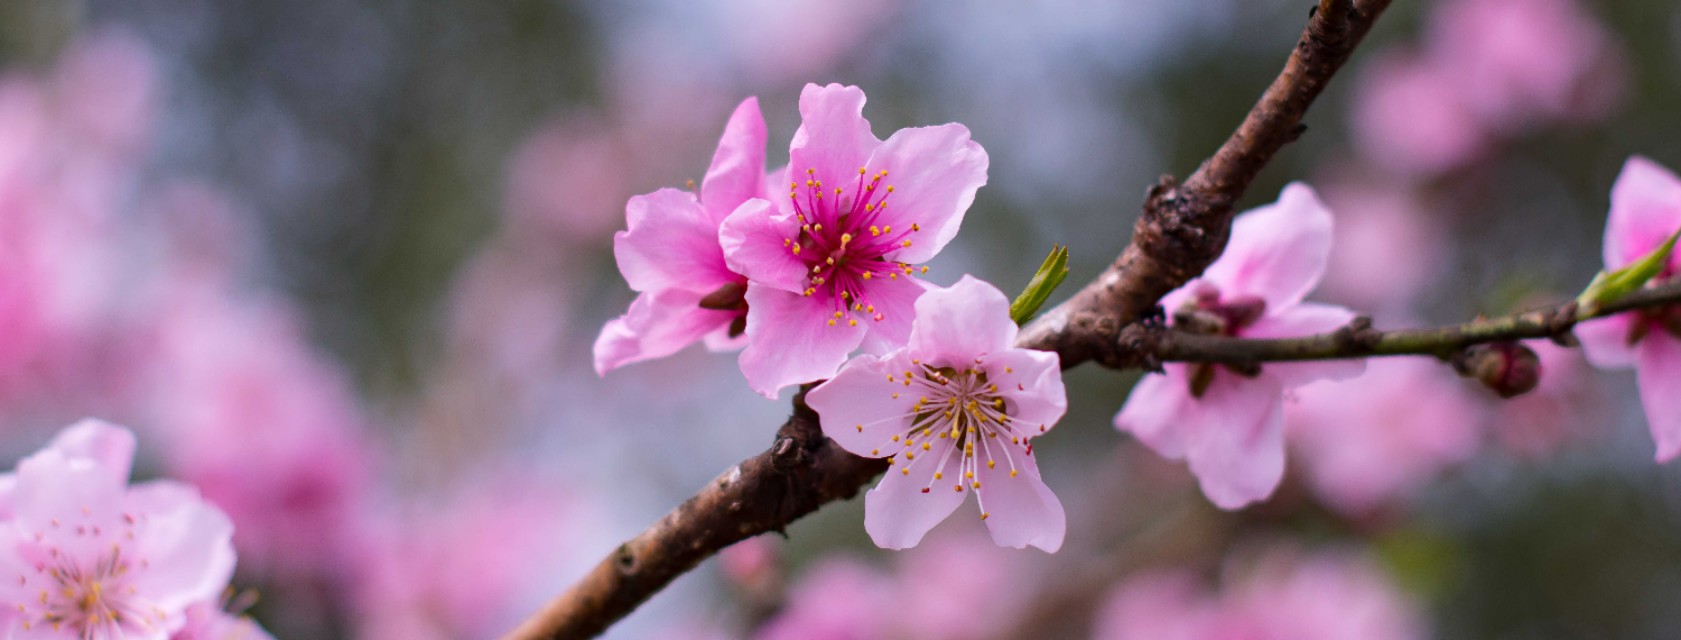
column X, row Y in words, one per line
column 790, row 341
column 670, row 243
column 864, row 406
column 934, row 172
column 897, row 513
column 1031, row 382
column 107, row 444
column 1019, row 510
column 1605, row 341
column 1306, row 319
column 737, row 173
column 755, row 240
column 1277, row 251
column 834, row 138
column 1238, row 455
column 895, row 299
column 1659, row 376
column 188, row 542
column 1645, row 211
column 1159, row 411
column 955, row 324
column 658, row 324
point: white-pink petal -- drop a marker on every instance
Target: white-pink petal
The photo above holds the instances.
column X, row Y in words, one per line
column 895, row 299
column 1645, row 211
column 1659, row 376
column 862, row 407
column 957, row 323
column 1159, row 411
column 1605, row 340
column 935, row 172
column 833, row 138
column 790, row 340
column 671, row 243
column 897, row 513
column 658, row 324
column 738, row 167
column 1031, row 382
column 757, row 243
column 1238, row 453
column 1278, row 251
column 1020, row 510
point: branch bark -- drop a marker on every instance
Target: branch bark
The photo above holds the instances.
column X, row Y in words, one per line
column 1183, row 229
column 1148, row 346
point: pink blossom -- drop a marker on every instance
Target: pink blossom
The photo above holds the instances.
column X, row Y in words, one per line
column 1517, row 62
column 565, row 181
column 830, row 267
column 1387, row 248
column 1561, row 409
column 1372, row 439
column 959, row 405
column 96, row 558
column 1230, row 425
column 1645, row 211
column 206, row 622
column 1406, row 119
column 1283, row 595
column 671, row 254
column 838, row 599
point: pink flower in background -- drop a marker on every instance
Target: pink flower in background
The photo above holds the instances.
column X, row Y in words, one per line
column 1645, row 211
column 830, row 267
column 953, row 411
column 206, row 622
column 1387, row 249
column 837, row 599
column 671, row 255
column 1284, row 595
column 1561, row 410
column 95, row 558
column 107, row 85
column 1230, row 425
column 1521, row 62
column 1405, row 119
column 1376, row 438
column 565, row 182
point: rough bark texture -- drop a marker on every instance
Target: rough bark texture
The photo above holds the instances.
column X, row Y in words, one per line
column 1183, row 229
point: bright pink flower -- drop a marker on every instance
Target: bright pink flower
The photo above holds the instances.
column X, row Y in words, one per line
column 1230, row 425
column 87, row 556
column 1376, row 438
column 670, row 254
column 830, row 266
column 1645, row 211
column 958, row 408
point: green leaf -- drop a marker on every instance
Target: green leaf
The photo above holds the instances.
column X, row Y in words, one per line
column 1051, row 273
column 1607, row 287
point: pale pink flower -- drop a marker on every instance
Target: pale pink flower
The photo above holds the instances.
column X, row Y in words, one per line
column 1387, row 248
column 955, row 410
column 671, row 255
column 1645, row 211
column 1230, row 425
column 1373, row 439
column 207, row 622
column 1519, row 62
column 1406, row 119
column 87, row 556
column 838, row 599
column 566, row 180
column 1283, row 595
column 830, row 265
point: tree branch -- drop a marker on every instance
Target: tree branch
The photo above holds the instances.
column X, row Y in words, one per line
column 1149, row 346
column 1183, row 229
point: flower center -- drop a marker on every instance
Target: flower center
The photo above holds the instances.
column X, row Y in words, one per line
column 957, row 412
column 845, row 243
column 1206, row 313
column 94, row 599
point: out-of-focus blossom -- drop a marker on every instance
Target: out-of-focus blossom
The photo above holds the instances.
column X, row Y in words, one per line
column 206, row 622
column 1387, row 249
column 1645, row 211
column 1283, row 596
column 1405, row 119
column 95, row 558
column 958, row 407
column 1230, row 424
column 1521, row 62
column 1559, row 411
column 671, row 255
column 106, row 86
column 265, row 426
column 566, row 181
column 838, row 599
column 1373, row 439
column 830, row 267
column 473, row 564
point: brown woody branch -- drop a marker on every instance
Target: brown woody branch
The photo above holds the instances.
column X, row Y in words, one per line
column 1183, row 229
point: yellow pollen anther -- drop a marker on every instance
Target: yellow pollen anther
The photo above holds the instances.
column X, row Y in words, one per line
column 860, row 171
column 905, row 471
column 890, row 188
column 852, row 322
column 829, row 261
column 837, row 191
column 938, row 475
column 810, row 171
column 895, row 438
column 984, row 515
column 916, row 227
column 860, row 428
column 838, row 314
column 866, row 275
column 925, row 269
column 887, row 229
column 969, row 474
column 925, row 446
column 845, row 238
column 796, row 249
column 905, row 243
column 977, row 485
column 831, row 323
column 991, row 463
column 895, row 395
column 1012, row 473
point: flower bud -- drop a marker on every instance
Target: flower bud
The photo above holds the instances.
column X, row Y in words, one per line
column 1509, row 368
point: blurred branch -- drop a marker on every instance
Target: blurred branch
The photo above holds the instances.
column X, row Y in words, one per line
column 1150, row 345
column 1183, row 229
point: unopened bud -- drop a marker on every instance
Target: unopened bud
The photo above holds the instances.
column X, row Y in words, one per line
column 1509, row 368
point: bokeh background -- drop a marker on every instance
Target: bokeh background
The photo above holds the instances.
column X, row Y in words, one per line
column 341, row 263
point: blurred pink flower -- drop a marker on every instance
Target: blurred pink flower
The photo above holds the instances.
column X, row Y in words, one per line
column 207, row 622
column 671, row 255
column 1374, row 439
column 971, row 399
column 1521, row 62
column 837, row 599
column 471, row 563
column 1283, row 596
column 1645, row 211
column 106, row 86
column 1229, row 424
column 1407, row 119
column 828, row 271
column 99, row 559
column 566, row 181
column 1387, row 249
